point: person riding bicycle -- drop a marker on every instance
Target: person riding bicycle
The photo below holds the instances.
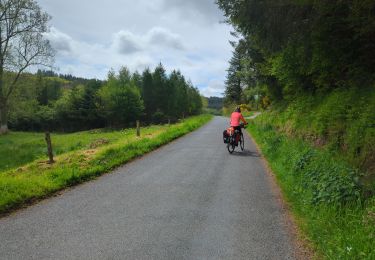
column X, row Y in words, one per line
column 236, row 118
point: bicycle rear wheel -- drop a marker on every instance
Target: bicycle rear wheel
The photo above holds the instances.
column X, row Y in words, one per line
column 242, row 142
column 230, row 145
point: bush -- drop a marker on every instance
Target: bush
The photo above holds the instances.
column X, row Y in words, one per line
column 158, row 117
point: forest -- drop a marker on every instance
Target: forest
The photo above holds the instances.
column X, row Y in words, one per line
column 47, row 101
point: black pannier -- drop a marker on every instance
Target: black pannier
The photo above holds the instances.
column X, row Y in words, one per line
column 225, row 137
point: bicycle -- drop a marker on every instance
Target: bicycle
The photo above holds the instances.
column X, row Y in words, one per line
column 234, row 139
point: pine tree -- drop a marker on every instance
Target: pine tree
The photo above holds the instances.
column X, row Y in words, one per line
column 233, row 91
column 148, row 94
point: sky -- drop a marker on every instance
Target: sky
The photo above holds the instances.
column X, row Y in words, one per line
column 93, row 36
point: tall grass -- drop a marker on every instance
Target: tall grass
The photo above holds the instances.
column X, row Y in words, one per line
column 342, row 122
column 324, row 193
column 38, row 179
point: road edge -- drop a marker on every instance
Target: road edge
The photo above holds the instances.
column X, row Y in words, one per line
column 302, row 247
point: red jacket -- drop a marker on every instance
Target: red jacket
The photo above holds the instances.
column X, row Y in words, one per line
column 235, row 119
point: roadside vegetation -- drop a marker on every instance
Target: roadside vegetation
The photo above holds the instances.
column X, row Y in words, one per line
column 309, row 65
column 83, row 156
column 331, row 204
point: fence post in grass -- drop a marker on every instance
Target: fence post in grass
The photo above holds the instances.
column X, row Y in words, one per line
column 49, row 147
column 169, row 121
column 138, row 128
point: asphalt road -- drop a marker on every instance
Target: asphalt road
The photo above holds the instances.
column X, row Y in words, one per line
column 190, row 199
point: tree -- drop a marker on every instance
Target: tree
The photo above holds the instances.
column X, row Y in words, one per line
column 22, row 24
column 121, row 102
column 181, row 94
column 234, row 82
column 195, row 101
column 148, row 95
column 159, row 78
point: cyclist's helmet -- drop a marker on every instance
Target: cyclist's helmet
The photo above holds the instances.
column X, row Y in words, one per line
column 238, row 109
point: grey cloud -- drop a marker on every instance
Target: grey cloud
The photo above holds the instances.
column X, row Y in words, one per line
column 61, row 42
column 205, row 9
column 127, row 43
column 163, row 37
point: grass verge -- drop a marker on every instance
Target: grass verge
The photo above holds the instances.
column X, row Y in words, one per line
column 324, row 195
column 38, row 179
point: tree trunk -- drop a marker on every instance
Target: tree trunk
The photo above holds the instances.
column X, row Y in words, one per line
column 3, row 119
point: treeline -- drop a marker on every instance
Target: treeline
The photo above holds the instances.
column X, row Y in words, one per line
column 66, row 103
column 288, row 48
column 215, row 103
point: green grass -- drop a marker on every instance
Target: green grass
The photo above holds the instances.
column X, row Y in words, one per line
column 79, row 160
column 19, row 148
column 247, row 113
column 342, row 122
column 212, row 111
column 324, row 193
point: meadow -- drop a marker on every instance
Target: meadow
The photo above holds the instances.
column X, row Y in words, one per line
column 19, row 148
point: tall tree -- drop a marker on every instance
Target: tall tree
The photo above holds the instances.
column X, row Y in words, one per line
column 234, row 82
column 181, row 95
column 159, row 78
column 148, row 93
column 22, row 24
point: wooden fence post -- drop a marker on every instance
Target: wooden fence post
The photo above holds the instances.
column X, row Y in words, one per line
column 49, row 147
column 138, row 128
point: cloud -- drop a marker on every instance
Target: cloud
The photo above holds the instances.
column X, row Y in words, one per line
column 215, row 88
column 160, row 37
column 61, row 42
column 157, row 38
column 127, row 43
column 205, row 10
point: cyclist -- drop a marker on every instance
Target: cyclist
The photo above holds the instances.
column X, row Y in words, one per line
column 235, row 119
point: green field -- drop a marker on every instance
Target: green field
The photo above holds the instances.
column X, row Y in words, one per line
column 79, row 157
column 19, row 148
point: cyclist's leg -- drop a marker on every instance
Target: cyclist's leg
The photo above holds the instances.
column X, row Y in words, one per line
column 238, row 133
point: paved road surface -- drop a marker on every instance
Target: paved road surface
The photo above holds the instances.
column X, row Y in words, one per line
column 187, row 200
